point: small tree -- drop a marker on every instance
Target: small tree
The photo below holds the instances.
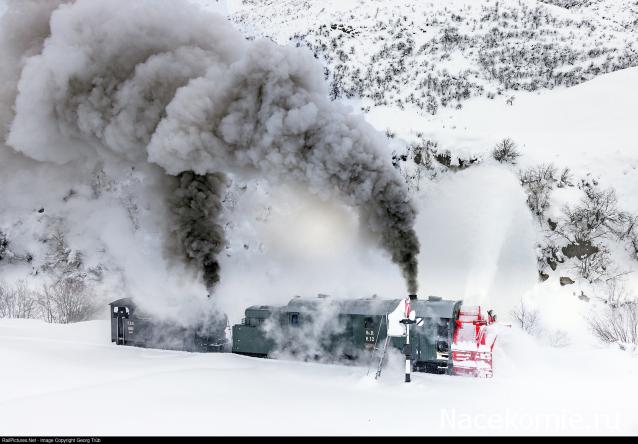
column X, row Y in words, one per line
column 46, row 303
column 25, row 301
column 7, row 305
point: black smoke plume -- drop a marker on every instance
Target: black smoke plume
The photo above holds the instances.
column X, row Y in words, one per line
column 197, row 206
column 163, row 81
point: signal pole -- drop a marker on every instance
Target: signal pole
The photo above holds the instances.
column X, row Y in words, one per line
column 410, row 318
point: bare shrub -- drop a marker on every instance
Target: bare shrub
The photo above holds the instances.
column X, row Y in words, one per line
column 46, row 305
column 64, row 301
column 618, row 321
column 630, row 235
column 25, row 301
column 597, row 266
column 587, row 226
column 67, row 301
column 597, row 216
column 566, row 179
column 528, row 318
column 614, row 292
column 557, row 338
column 633, row 244
column 6, row 301
column 538, row 182
column 506, row 151
column 616, row 324
column 17, row 301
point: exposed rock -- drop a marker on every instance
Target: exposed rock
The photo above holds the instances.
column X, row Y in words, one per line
column 580, row 250
column 564, row 280
column 583, row 297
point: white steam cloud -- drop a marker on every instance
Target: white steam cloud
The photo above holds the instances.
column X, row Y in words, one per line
column 163, row 81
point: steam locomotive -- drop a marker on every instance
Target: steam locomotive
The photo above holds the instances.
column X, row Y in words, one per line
column 130, row 325
column 445, row 337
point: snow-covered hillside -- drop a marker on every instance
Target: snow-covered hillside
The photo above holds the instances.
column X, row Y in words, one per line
column 70, row 380
column 433, row 55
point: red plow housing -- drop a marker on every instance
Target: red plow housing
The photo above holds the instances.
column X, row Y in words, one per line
column 473, row 343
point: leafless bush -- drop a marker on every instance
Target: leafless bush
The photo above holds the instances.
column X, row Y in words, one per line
column 618, row 321
column 46, row 305
column 6, row 302
column 538, row 182
column 597, row 266
column 588, row 226
column 506, row 151
column 597, row 216
column 614, row 292
column 616, row 324
column 528, row 318
column 67, row 301
column 17, row 301
column 630, row 235
column 633, row 244
column 566, row 179
column 557, row 338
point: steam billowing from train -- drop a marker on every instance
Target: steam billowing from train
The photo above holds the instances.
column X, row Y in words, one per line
column 165, row 82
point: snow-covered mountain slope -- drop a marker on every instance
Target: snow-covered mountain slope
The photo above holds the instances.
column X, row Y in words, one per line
column 587, row 127
column 69, row 380
column 433, row 55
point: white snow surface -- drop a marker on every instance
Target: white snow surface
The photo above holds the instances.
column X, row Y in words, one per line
column 70, row 380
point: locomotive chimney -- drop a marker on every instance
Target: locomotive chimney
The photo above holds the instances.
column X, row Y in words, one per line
column 412, row 297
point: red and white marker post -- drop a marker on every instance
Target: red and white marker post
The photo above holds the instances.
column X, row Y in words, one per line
column 410, row 318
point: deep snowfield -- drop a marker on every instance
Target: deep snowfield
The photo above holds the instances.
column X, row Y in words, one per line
column 70, row 380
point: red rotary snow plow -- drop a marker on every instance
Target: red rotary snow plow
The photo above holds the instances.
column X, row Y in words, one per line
column 473, row 343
